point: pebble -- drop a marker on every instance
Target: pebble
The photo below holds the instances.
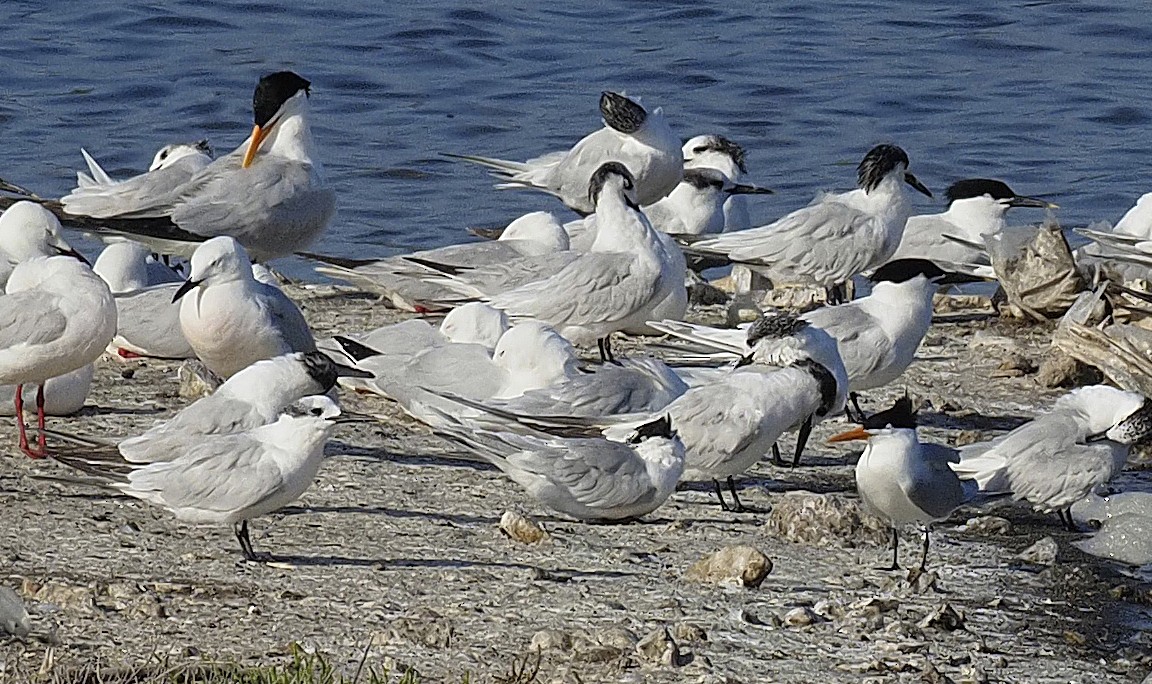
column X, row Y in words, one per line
column 824, row 519
column 746, row 565
column 521, row 528
column 1042, row 552
column 987, row 524
column 800, row 617
column 659, row 648
column 943, row 617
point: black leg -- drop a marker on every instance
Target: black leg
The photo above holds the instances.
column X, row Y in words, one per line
column 720, row 495
column 802, row 440
column 1066, row 520
column 605, row 346
column 924, row 551
column 776, row 459
column 855, row 398
column 736, row 505
column 250, row 554
column 895, row 551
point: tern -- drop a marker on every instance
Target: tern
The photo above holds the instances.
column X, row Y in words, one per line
column 837, row 236
column 632, row 136
column 591, row 479
column 268, row 194
column 903, row 480
column 1060, row 457
column 172, row 166
column 976, row 207
column 727, row 157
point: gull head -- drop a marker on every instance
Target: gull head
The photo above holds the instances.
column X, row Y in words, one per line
column 885, row 161
column 475, row 323
column 612, row 175
column 218, row 260
column 540, row 227
column 621, row 113
column 123, row 265
column 535, row 356
column 704, row 149
column 29, row 230
column 170, row 154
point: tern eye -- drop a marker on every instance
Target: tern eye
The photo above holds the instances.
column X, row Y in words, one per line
column 700, row 150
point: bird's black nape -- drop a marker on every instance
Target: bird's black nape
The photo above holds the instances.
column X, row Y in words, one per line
column 320, row 368
column 775, row 326
column 600, row 177
column 978, row 187
column 272, row 92
column 620, row 113
column 661, row 427
column 718, row 143
column 900, row 415
column 877, row 164
column 902, row 270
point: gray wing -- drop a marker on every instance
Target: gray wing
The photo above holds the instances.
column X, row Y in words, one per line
column 287, row 318
column 29, row 318
column 498, row 278
column 937, row 490
column 600, row 287
column 133, row 195
column 219, row 474
column 642, row 385
column 1049, row 466
column 814, row 244
column 149, row 321
column 924, row 238
column 596, row 472
column 215, row 414
column 861, row 341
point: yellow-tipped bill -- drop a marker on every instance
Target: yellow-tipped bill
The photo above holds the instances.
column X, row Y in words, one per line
column 258, row 135
column 857, row 432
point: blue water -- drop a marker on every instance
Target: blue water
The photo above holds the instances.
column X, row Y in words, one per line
column 1052, row 97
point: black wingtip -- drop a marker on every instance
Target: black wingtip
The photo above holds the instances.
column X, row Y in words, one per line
column 354, row 349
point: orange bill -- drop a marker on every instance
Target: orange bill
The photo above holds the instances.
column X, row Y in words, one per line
column 857, row 432
column 258, row 135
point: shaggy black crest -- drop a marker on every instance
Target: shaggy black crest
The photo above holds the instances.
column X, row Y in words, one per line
column 776, row 326
column 978, row 187
column 661, row 427
column 877, row 164
column 621, row 113
column 321, row 369
column 596, row 183
column 272, row 92
column 1137, row 427
column 902, row 270
column 718, row 143
column 704, row 178
column 825, row 380
column 901, row 415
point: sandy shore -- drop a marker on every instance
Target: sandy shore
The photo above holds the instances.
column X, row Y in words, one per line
column 397, row 549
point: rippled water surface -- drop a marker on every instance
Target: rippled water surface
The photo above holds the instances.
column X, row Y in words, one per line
column 1052, row 97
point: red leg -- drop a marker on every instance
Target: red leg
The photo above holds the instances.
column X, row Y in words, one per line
column 20, row 418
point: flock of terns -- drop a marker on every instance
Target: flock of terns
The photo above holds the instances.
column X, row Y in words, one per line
column 501, row 375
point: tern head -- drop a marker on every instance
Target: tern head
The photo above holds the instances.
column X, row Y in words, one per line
column 218, row 260
column 272, row 93
column 883, row 161
column 995, row 191
column 707, row 179
column 612, row 175
column 1104, row 409
column 621, row 113
column 539, row 227
column 697, row 150
column 475, row 323
column 901, row 416
column 661, row 428
column 1137, row 427
column 29, row 230
column 904, row 270
column 281, row 380
column 170, row 154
